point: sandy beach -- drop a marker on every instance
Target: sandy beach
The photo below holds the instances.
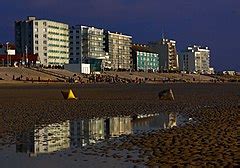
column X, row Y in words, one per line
column 210, row 139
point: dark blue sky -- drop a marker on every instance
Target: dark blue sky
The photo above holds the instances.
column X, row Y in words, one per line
column 214, row 23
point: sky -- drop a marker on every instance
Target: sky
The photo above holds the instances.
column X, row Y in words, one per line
column 212, row 23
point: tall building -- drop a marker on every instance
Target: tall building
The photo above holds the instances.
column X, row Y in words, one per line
column 168, row 56
column 118, row 47
column 144, row 58
column 48, row 39
column 87, row 46
column 195, row 59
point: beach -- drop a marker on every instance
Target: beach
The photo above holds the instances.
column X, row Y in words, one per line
column 209, row 139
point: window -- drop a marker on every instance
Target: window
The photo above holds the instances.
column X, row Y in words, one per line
column 36, row 30
column 36, row 35
column 36, row 48
column 45, row 42
column 45, row 54
column 44, row 23
column 36, row 23
column 45, row 36
column 36, row 42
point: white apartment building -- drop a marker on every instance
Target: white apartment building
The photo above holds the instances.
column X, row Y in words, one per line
column 48, row 39
column 118, row 47
column 195, row 59
column 167, row 51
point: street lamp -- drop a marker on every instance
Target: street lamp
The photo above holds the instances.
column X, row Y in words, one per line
column 26, row 55
column 7, row 53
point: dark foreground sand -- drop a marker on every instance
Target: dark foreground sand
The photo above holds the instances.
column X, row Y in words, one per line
column 210, row 140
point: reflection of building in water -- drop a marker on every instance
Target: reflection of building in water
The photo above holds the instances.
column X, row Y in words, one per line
column 172, row 120
column 88, row 131
column 150, row 122
column 58, row 136
column 84, row 132
column 117, row 126
column 45, row 139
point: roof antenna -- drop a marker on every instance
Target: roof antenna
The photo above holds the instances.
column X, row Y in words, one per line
column 163, row 34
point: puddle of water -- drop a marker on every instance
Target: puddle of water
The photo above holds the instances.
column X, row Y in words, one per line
column 80, row 133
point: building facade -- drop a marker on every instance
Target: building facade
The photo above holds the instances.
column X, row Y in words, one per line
column 87, row 46
column 195, row 59
column 144, row 58
column 118, row 51
column 168, row 56
column 48, row 39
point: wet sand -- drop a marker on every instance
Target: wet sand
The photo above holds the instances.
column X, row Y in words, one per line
column 211, row 138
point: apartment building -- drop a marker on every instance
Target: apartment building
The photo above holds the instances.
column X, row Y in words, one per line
column 195, row 59
column 144, row 58
column 87, row 46
column 168, row 57
column 48, row 39
column 118, row 49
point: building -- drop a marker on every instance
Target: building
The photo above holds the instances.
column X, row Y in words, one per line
column 118, row 49
column 87, row 46
column 48, row 39
column 144, row 58
column 195, row 59
column 168, row 57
